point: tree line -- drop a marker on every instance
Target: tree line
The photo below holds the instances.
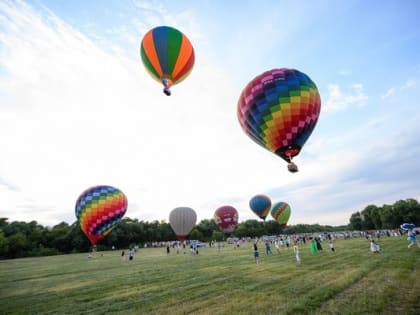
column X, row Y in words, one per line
column 386, row 217
column 22, row 239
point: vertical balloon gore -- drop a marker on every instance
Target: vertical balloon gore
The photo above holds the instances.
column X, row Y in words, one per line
column 279, row 110
column 99, row 209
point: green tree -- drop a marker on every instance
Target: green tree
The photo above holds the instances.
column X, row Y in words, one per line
column 356, row 221
column 196, row 235
column 387, row 217
column 4, row 245
column 217, row 236
column 407, row 211
column 18, row 245
column 372, row 215
column 206, row 227
column 367, row 222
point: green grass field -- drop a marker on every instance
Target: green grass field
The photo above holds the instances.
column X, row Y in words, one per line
column 350, row 281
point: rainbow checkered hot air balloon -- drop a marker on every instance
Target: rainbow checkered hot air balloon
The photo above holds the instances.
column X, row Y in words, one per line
column 99, row 209
column 167, row 55
column 281, row 213
column 279, row 110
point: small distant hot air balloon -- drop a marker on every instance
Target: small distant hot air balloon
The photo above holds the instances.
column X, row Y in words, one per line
column 260, row 205
column 182, row 220
column 167, row 55
column 226, row 218
column 407, row 226
column 279, row 110
column 99, row 209
column 281, row 213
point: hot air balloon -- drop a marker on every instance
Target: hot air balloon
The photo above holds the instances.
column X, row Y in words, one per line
column 260, row 205
column 226, row 218
column 167, row 55
column 281, row 213
column 99, row 209
column 407, row 226
column 279, row 110
column 182, row 220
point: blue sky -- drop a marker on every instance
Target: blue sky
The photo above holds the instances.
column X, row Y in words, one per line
column 78, row 109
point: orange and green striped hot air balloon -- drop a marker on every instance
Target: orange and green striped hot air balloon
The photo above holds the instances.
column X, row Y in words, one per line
column 167, row 55
column 281, row 213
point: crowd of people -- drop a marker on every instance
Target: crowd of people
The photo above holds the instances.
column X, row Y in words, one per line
column 281, row 243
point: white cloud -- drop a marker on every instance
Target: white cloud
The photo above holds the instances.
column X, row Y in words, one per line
column 338, row 100
column 344, row 72
column 398, row 89
column 389, row 93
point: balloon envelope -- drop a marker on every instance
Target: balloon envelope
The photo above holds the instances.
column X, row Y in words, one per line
column 182, row 220
column 281, row 213
column 99, row 209
column 260, row 205
column 167, row 55
column 226, row 218
column 279, row 110
column 407, row 226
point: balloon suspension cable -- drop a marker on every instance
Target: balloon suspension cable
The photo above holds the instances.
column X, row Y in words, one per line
column 166, row 89
column 292, row 167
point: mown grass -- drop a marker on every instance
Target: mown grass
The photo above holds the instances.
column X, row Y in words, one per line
column 350, row 281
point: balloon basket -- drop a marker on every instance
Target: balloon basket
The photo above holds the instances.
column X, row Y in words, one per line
column 292, row 167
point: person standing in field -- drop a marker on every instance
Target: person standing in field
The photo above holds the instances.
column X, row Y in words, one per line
column 313, row 247
column 256, row 253
column 287, row 242
column 277, row 246
column 318, row 243
column 375, row 248
column 267, row 248
column 296, row 251
column 131, row 254
column 332, row 246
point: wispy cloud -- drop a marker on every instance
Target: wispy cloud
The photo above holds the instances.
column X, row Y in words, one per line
column 339, row 100
column 398, row 89
column 9, row 186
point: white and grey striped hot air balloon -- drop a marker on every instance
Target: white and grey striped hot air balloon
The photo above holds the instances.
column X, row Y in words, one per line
column 182, row 220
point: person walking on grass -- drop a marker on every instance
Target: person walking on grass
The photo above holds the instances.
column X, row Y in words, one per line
column 277, row 246
column 313, row 247
column 332, row 246
column 296, row 251
column 256, row 253
column 412, row 238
